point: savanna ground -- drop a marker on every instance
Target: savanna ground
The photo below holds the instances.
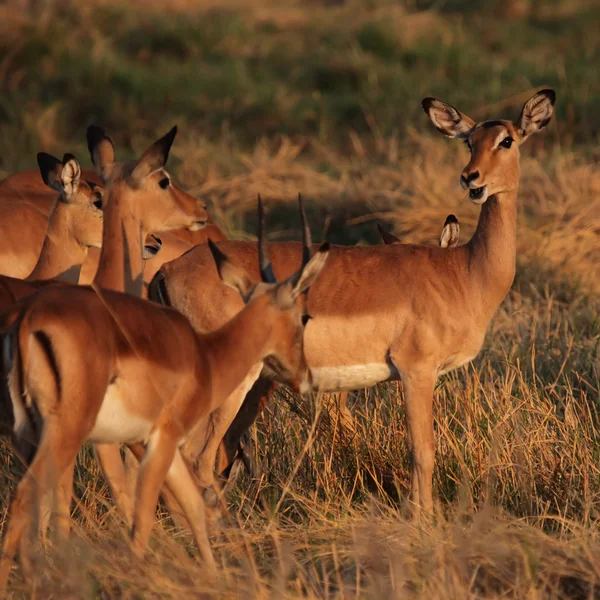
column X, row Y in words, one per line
column 323, row 98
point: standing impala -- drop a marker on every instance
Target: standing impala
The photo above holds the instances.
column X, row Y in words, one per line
column 117, row 369
column 74, row 226
column 385, row 312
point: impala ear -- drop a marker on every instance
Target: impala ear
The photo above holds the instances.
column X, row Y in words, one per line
column 50, row 170
column 231, row 275
column 450, row 233
column 536, row 113
column 70, row 177
column 102, row 151
column 302, row 281
column 447, row 119
column 386, row 236
column 155, row 157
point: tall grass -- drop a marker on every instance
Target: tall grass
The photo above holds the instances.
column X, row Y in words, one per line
column 517, row 476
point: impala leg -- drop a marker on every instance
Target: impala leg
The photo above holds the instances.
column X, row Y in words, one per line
column 56, row 452
column 181, row 483
column 345, row 416
column 64, row 494
column 109, row 457
column 174, row 508
column 152, row 473
column 418, row 393
column 221, row 418
column 232, row 446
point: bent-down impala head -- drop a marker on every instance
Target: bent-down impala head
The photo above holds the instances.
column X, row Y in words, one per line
column 285, row 361
column 494, row 145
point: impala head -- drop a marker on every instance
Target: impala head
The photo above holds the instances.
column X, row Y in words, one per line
column 494, row 145
column 79, row 205
column 285, row 301
column 145, row 186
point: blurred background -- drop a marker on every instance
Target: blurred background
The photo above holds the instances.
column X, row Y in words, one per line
column 269, row 94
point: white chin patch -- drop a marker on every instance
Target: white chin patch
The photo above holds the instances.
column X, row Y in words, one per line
column 197, row 226
column 478, row 195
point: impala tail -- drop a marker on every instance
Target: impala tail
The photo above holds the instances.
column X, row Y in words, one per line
column 27, row 352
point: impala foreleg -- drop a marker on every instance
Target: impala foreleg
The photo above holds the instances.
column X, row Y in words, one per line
column 234, row 446
column 152, row 473
column 180, row 482
column 221, row 418
column 418, row 394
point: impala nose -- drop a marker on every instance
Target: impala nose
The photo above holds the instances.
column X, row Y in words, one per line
column 466, row 181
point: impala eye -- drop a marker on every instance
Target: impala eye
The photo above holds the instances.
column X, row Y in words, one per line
column 305, row 319
column 506, row 142
column 164, row 183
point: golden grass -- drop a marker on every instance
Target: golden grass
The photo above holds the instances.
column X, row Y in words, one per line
column 518, row 458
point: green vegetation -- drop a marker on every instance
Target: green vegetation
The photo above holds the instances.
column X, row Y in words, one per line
column 274, row 69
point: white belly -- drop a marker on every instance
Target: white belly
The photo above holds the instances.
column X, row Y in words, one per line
column 351, row 377
column 115, row 424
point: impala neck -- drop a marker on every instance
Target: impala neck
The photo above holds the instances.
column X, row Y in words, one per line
column 62, row 255
column 237, row 346
column 120, row 266
column 492, row 249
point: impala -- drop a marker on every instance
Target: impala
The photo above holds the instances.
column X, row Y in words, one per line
column 139, row 199
column 380, row 313
column 74, row 226
column 25, row 205
column 93, row 373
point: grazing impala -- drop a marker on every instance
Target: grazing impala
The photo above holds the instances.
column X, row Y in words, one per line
column 386, row 312
column 93, row 373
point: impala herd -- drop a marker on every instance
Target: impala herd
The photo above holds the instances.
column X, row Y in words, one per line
column 178, row 379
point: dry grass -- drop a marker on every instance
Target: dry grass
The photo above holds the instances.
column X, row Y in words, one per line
column 517, row 477
column 518, row 452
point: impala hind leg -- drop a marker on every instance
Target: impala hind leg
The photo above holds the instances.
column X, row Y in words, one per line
column 418, row 394
column 109, row 457
column 59, row 507
column 56, row 452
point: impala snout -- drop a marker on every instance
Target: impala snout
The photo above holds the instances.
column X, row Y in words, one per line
column 467, row 179
column 470, row 180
